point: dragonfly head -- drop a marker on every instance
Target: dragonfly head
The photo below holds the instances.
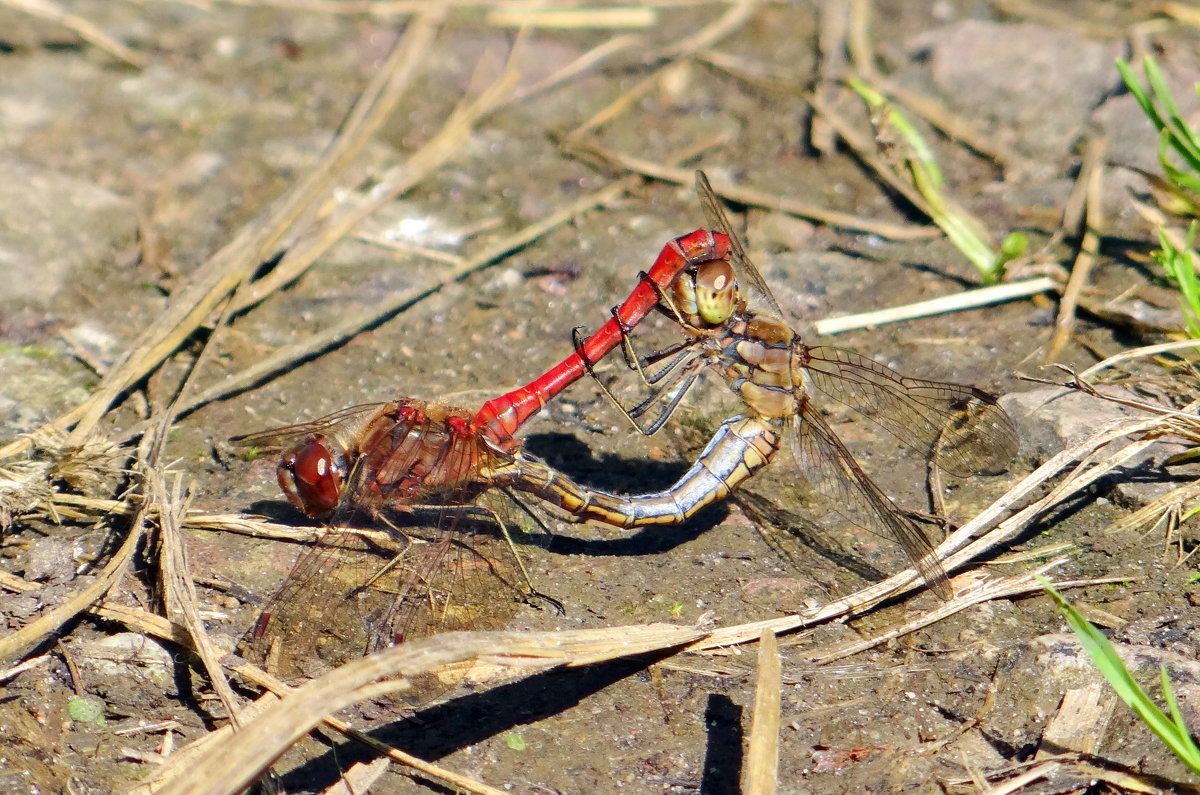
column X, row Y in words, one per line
column 710, row 295
column 313, row 474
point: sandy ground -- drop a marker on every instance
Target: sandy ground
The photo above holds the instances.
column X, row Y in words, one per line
column 119, row 181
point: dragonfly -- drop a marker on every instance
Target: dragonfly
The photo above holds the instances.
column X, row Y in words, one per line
column 407, row 455
column 400, row 454
column 734, row 326
column 353, row 592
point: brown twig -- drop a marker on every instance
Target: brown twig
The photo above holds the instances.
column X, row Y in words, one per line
column 221, row 274
column 670, row 58
column 749, row 196
column 369, row 114
column 50, row 620
column 231, row 762
column 1092, row 177
column 762, row 753
column 44, row 9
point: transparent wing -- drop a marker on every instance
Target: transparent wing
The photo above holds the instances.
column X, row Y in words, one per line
column 322, row 616
column 278, row 436
column 961, row 427
column 354, row 593
column 748, row 275
column 830, row 468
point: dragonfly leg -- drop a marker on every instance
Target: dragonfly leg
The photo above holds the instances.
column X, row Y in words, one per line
column 555, row 604
column 394, row 561
column 670, row 382
column 528, row 588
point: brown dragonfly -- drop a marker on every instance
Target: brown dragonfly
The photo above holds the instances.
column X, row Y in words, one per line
column 734, row 326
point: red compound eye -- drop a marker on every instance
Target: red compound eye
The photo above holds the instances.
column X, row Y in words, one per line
column 312, row 478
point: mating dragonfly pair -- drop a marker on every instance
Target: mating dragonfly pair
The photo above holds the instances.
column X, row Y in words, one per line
column 402, row 455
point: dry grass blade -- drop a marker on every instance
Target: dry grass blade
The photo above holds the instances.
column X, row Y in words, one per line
column 74, row 506
column 968, row 299
column 360, row 777
column 737, row 15
column 16, row 584
column 178, row 587
column 28, row 486
column 15, row 643
column 1170, row 507
column 864, row 599
column 1137, row 353
column 431, row 156
column 433, row 772
column 580, row 65
column 1005, row 588
column 573, row 18
column 1092, row 177
column 1036, row 773
column 22, row 667
column 1183, row 12
column 749, row 196
column 1179, row 421
column 211, row 283
column 234, row 761
column 85, row 30
column 370, row 112
column 1087, row 472
column 835, row 45
column 141, row 621
column 762, row 756
column 671, row 59
column 626, row 100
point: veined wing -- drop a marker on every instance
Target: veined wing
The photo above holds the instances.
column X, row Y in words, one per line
column 351, row 595
column 322, row 616
column 461, row 579
column 279, row 436
column 747, row 274
column 830, row 468
column 962, row 428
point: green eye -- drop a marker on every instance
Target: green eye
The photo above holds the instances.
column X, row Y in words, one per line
column 716, row 291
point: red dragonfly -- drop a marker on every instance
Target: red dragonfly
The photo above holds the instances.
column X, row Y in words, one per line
column 735, row 327
column 400, row 454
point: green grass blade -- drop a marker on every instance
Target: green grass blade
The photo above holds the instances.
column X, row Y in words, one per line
column 1139, row 93
column 1182, row 138
column 1172, row 732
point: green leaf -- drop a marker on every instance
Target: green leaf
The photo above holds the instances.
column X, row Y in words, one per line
column 514, row 741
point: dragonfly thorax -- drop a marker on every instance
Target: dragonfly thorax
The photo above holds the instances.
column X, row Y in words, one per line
column 759, row 367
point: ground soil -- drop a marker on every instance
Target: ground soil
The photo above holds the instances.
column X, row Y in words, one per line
column 116, row 182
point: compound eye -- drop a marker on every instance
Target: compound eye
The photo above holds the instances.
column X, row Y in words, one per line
column 716, row 291
column 312, row 477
